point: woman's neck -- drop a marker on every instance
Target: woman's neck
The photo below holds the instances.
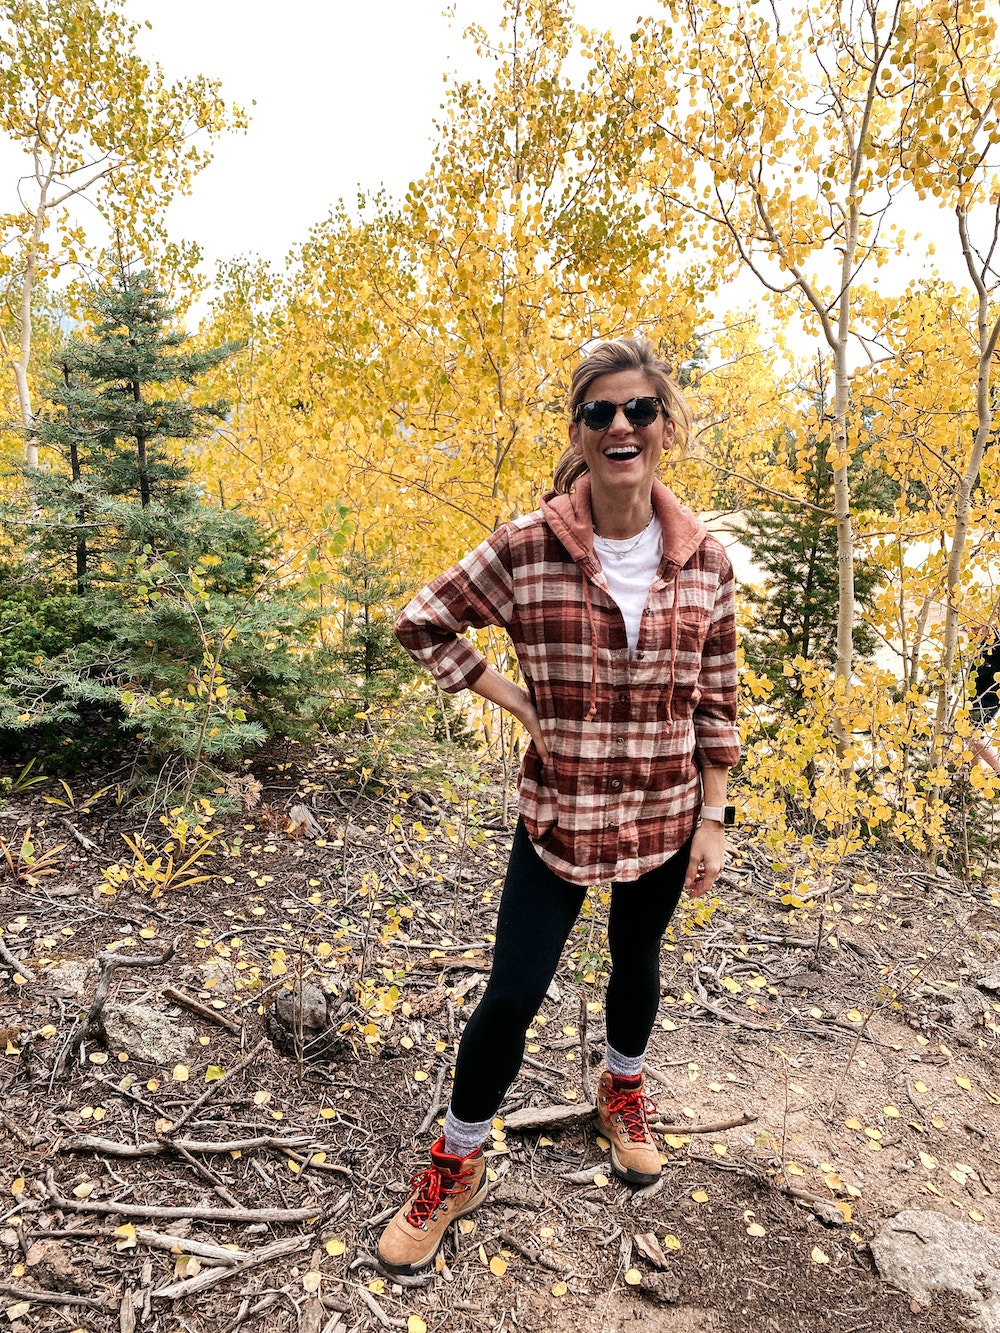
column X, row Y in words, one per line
column 620, row 518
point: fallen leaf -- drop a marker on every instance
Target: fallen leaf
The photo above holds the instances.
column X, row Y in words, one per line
column 213, row 1073
column 919, row 1085
column 600, row 1180
column 335, row 1247
column 466, row 1226
column 14, row 1312
column 853, row 1124
column 891, row 1111
column 964, row 1083
column 633, row 1277
column 671, row 1243
column 181, row 1074
column 818, row 1256
column 414, row 1324
column 126, row 1237
column 17, row 1186
column 498, row 1266
column 559, row 1289
column 84, row 1190
column 755, row 1229
column 700, row 1196
column 377, row 1286
column 927, row 1161
column 312, row 1281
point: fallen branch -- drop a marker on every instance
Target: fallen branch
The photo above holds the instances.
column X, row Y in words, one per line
column 529, row 1252
column 203, row 1010
column 210, row 1277
column 86, row 843
column 205, row 1249
column 717, row 1128
column 437, row 1104
column 532, row 1118
column 213, row 1088
column 51, row 1297
column 201, row 1212
column 12, row 961
column 154, row 1148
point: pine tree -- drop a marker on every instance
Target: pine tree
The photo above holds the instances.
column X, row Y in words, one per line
column 185, row 631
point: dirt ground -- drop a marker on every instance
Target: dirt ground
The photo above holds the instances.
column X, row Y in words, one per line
column 816, row 1070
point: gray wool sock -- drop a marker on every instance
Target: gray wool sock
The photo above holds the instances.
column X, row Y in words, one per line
column 622, row 1066
column 462, row 1137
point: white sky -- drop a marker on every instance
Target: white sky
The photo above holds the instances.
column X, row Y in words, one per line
column 346, row 94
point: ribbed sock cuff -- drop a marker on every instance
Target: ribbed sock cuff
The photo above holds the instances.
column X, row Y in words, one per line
column 462, row 1137
column 623, row 1066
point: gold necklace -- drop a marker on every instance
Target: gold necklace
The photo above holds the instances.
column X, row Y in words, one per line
column 626, row 550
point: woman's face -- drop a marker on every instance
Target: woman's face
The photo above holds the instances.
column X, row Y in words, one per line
column 622, row 458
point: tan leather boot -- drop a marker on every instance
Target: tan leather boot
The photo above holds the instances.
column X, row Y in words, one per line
column 622, row 1108
column 448, row 1189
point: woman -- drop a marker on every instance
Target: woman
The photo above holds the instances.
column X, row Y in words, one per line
column 620, row 607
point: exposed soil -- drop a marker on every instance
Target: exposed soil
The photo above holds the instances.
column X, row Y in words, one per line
column 852, row 1054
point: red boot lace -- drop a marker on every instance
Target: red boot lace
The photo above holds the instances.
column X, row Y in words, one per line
column 431, row 1186
column 633, row 1107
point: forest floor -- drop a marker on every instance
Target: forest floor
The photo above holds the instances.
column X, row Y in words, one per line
column 817, row 1069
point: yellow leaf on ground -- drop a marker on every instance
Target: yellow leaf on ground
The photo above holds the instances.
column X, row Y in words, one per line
column 964, row 1083
column 854, row 1016
column 414, row 1324
column 930, row 1188
column 559, row 1289
column 419, row 1075
column 927, row 1161
column 853, row 1124
column 335, row 1247
column 633, row 1277
column 377, row 1285
column 818, row 1256
column 600, row 1180
column 181, row 1074
column 671, row 1243
column 466, row 1226
column 719, row 1149
column 498, row 1266
column 84, row 1190
column 919, row 1085
column 312, row 1281
column 794, row 1169
column 17, row 1186
column 700, row 1196
column 844, row 1208
column 891, row 1111
column 976, row 1215
column 755, row 1229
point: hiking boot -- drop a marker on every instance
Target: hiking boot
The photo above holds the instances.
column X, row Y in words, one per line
column 448, row 1189
column 622, row 1108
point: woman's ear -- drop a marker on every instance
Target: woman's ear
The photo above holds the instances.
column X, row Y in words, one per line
column 669, row 431
column 574, row 438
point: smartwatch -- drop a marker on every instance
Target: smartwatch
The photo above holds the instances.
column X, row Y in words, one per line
column 722, row 814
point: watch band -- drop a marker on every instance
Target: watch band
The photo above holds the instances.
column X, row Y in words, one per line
column 722, row 814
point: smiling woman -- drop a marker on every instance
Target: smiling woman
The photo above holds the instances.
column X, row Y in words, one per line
column 619, row 604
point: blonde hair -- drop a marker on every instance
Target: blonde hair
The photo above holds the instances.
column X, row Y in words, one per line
column 608, row 358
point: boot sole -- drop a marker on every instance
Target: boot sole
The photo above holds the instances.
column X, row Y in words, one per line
column 408, row 1270
column 630, row 1175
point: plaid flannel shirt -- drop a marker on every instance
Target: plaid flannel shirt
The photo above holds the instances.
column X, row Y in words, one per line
column 621, row 790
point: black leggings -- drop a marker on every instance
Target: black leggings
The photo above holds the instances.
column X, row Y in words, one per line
column 537, row 912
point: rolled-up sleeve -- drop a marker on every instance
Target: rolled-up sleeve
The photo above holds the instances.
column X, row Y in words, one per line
column 478, row 591
column 717, row 737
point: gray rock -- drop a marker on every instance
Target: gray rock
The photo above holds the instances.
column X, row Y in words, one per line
column 923, row 1252
column 145, row 1033
column 990, row 980
column 73, row 976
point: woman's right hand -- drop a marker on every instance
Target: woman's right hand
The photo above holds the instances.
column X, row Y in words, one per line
column 516, row 701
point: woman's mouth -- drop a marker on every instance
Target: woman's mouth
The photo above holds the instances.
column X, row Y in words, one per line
column 622, row 453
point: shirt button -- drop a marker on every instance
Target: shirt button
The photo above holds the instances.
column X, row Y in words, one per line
column 647, row 611
column 623, row 698
column 619, row 740
column 616, row 783
column 610, row 825
column 640, row 654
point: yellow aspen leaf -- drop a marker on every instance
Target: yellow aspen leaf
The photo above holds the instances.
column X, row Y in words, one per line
column 854, row 1016
column 794, row 1169
column 845, row 1208
column 84, row 1189
column 755, row 1229
column 818, row 1256
column 99, row 1058
column 466, row 1225
column 377, row 1286
column 419, row 1075
column 559, row 1289
column 930, row 1188
column 919, row 1085
column 719, row 1149
column 873, row 1133
column 312, row 1281
column 213, row 1073
column 126, row 1236
column 335, row 1247
column 964, row 1083
column 498, row 1266
column 544, row 1142
column 976, row 1215
column 17, row 1186
column 928, row 1162
column 671, row 1242
column 700, row 1196
column 603, row 1143
column 414, row 1324
column 49, row 1030
column 853, row 1191
column 891, row 1111
column 600, row 1180
column 14, row 1312
column 328, row 1113
column 853, row 1124
column 261, row 1098
column 676, row 1140
column 959, row 1177
column 294, row 1166
column 181, row 1074
column 633, row 1277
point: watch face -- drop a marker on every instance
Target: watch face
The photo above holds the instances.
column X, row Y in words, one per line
column 729, row 818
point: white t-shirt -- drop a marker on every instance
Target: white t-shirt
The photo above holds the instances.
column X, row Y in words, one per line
column 630, row 567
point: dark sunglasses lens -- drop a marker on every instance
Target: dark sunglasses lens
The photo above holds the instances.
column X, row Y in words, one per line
column 641, row 411
column 597, row 415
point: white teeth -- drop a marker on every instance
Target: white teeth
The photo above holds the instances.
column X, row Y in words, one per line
column 624, row 452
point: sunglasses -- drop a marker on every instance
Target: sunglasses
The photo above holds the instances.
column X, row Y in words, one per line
column 599, row 413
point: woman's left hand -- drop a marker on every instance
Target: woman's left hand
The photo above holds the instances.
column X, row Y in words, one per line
column 708, row 854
